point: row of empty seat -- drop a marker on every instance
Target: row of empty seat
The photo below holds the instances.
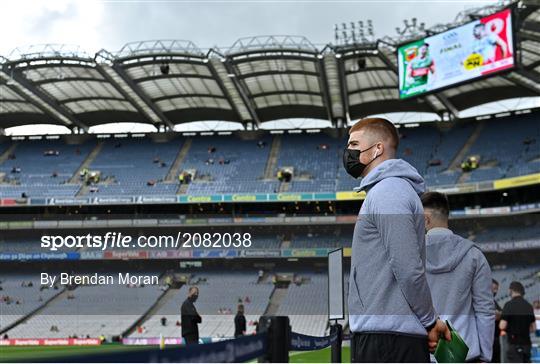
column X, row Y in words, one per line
column 130, row 164
column 233, row 164
column 306, row 304
column 529, row 276
column 87, row 311
column 110, row 310
column 219, row 295
column 327, row 238
column 18, row 297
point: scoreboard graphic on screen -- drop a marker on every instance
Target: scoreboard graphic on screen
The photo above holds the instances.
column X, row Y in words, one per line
column 476, row 49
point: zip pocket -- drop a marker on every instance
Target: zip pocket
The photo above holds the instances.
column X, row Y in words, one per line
column 356, row 287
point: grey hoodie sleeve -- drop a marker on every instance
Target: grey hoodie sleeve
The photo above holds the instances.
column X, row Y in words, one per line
column 397, row 223
column 484, row 309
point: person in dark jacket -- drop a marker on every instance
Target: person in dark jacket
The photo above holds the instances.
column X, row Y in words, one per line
column 496, row 358
column 190, row 318
column 240, row 322
column 517, row 323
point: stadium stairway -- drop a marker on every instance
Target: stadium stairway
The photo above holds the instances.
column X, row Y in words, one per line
column 272, row 158
column 284, row 187
column 277, row 296
column 86, row 163
column 286, row 243
column 456, row 162
column 182, row 189
column 172, row 175
column 86, row 189
column 59, row 296
column 83, row 191
column 162, row 300
column 4, row 156
column 264, row 278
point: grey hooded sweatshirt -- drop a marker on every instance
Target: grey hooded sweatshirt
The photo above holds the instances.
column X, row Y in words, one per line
column 388, row 289
column 460, row 281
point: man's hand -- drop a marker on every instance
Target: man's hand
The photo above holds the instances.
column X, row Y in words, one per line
column 439, row 330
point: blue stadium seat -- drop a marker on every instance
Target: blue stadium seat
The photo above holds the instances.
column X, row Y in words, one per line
column 127, row 164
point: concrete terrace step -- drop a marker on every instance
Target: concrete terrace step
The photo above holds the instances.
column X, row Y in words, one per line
column 87, row 162
column 175, row 168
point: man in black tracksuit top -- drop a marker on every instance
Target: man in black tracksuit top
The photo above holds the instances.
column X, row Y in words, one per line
column 190, row 318
column 240, row 322
column 517, row 321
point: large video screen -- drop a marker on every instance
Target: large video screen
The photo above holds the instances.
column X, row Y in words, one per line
column 473, row 50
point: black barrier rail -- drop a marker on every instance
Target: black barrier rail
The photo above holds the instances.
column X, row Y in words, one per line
column 300, row 342
column 228, row 351
column 271, row 345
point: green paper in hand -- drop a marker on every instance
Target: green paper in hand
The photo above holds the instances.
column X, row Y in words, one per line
column 454, row 351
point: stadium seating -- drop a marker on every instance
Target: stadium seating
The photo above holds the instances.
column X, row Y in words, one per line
column 231, row 164
column 105, row 310
column 39, row 190
column 527, row 275
column 110, row 310
column 168, row 308
column 219, row 295
column 306, row 305
column 502, row 234
column 132, row 163
column 511, row 135
column 241, row 169
column 18, row 298
column 35, row 178
column 314, row 157
column 321, row 240
column 444, row 152
column 26, row 246
column 321, row 237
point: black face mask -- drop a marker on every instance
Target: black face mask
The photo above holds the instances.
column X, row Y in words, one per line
column 351, row 161
column 194, row 297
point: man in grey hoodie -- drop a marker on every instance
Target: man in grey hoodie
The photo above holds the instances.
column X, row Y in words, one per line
column 460, row 280
column 391, row 314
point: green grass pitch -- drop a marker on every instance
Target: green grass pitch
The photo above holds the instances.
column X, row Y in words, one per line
column 319, row 356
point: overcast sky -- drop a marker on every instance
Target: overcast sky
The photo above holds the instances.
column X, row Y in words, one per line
column 110, row 24
column 93, row 25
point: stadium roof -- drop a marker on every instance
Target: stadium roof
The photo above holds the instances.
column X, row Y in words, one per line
column 168, row 82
